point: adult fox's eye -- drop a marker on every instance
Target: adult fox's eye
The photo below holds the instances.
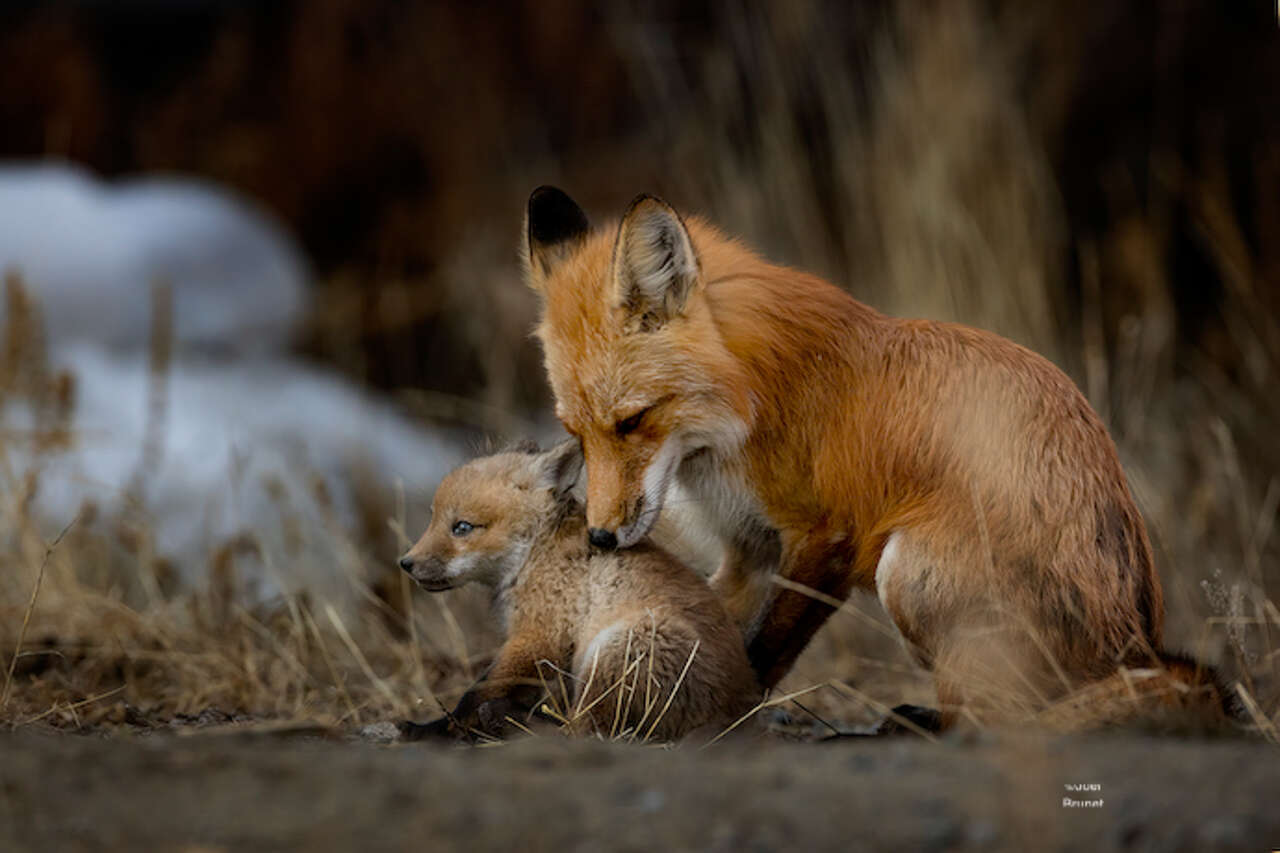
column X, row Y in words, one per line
column 462, row 528
column 629, row 424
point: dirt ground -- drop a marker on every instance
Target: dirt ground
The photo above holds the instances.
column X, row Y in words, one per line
column 229, row 791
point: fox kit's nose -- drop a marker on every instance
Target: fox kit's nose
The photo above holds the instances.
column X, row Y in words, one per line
column 602, row 538
column 406, row 563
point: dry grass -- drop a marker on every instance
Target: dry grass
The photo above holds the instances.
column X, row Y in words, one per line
column 917, row 178
column 86, row 655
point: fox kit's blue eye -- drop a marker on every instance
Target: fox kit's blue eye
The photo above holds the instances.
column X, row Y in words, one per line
column 462, row 528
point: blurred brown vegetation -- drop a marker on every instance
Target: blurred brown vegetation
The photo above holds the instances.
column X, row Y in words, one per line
column 1098, row 182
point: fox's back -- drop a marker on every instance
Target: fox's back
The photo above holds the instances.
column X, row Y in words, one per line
column 871, row 423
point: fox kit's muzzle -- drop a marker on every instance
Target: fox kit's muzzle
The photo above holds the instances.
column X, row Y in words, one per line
column 428, row 572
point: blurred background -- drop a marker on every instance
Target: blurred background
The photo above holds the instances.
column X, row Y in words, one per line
column 263, row 290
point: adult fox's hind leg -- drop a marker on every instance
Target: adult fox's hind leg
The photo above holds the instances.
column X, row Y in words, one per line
column 988, row 658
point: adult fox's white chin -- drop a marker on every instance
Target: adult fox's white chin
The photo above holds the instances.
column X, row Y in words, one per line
column 657, row 480
column 632, row 533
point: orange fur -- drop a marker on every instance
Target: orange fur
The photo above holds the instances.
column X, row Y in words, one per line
column 961, row 476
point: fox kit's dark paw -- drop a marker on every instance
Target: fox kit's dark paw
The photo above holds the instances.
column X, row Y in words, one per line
column 469, row 722
column 491, row 716
column 902, row 719
column 441, row 728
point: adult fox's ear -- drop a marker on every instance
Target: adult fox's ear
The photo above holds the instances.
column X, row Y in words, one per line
column 655, row 267
column 562, row 468
column 553, row 225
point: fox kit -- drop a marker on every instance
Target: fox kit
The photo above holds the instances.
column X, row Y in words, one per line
column 644, row 641
column 962, row 478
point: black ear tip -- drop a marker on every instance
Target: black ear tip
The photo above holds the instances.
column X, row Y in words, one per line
column 546, row 191
column 554, row 217
column 547, row 195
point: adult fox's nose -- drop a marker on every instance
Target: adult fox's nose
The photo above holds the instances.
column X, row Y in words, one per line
column 601, row 538
column 406, row 563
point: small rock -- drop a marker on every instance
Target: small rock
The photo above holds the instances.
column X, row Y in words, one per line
column 383, row 732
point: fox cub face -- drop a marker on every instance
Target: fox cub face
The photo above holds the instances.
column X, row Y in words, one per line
column 486, row 514
column 639, row 370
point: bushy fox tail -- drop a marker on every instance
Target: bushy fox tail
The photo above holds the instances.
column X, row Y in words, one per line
column 1169, row 692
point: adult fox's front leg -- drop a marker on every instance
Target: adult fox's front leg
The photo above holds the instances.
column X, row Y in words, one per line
column 744, row 584
column 815, row 577
column 744, row 581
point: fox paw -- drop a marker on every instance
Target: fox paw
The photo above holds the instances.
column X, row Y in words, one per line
column 928, row 719
column 439, row 728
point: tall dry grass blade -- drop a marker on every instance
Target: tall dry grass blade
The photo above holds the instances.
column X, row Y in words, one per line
column 768, row 703
column 617, row 684
column 585, row 689
column 834, row 603
column 554, row 713
column 564, row 689
column 1265, row 726
column 1272, row 611
column 415, row 647
column 19, row 334
column 632, row 693
column 519, row 725
column 159, row 361
column 338, row 682
column 456, row 635
column 1045, row 652
column 822, row 720
column 671, row 698
column 623, row 693
column 649, row 702
column 291, row 660
column 381, row 685
column 1262, row 530
column 881, row 708
column 31, row 606
column 1094, row 343
column 72, row 707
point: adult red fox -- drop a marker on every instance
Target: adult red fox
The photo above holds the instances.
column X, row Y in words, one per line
column 962, row 477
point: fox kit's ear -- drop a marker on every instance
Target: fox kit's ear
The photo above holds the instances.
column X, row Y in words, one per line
column 553, row 225
column 654, row 265
column 562, row 468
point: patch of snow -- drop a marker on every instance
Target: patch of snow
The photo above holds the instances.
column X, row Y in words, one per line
column 92, row 251
column 251, row 441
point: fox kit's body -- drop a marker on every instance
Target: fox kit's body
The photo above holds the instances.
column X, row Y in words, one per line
column 962, row 478
column 623, row 625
